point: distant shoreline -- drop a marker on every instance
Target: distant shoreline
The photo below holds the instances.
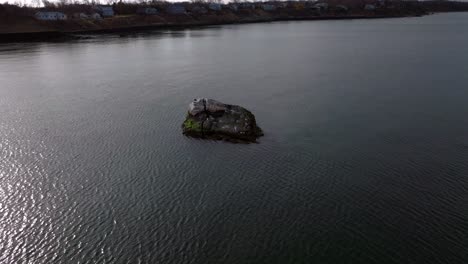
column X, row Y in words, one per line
column 58, row 35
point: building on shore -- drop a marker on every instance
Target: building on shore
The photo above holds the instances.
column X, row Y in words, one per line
column 321, row 7
column 268, row 7
column 80, row 16
column 104, row 11
column 198, row 10
column 214, row 6
column 176, row 9
column 370, row 7
column 233, row 7
column 246, row 5
column 95, row 16
column 148, row 11
column 299, row 5
column 341, row 9
column 50, row 16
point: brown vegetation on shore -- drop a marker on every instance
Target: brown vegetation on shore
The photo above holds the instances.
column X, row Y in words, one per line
column 21, row 20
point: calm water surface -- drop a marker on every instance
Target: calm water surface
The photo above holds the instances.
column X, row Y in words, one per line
column 365, row 158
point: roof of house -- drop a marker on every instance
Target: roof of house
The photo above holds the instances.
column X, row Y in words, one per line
column 49, row 12
column 107, row 8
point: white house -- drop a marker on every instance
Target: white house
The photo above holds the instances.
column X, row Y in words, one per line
column 370, row 7
column 246, row 5
column 321, row 6
column 214, row 6
column 147, row 11
column 198, row 10
column 96, row 16
column 176, row 9
column 104, row 11
column 233, row 7
column 80, row 16
column 268, row 7
column 341, row 8
column 50, row 16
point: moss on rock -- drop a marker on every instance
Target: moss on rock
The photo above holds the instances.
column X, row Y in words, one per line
column 192, row 125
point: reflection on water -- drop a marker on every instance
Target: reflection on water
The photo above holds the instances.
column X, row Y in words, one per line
column 364, row 158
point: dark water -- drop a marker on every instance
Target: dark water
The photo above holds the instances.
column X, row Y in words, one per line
column 365, row 158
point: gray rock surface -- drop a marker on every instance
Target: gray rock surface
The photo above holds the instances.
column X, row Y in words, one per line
column 208, row 118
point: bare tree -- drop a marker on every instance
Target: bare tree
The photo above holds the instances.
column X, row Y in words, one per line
column 47, row 3
column 63, row 2
column 36, row 3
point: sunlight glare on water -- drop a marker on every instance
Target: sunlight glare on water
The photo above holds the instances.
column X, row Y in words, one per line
column 364, row 158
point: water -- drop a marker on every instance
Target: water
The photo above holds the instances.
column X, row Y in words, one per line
column 365, row 158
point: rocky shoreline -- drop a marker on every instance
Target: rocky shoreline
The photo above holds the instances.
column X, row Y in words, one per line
column 71, row 34
column 78, row 20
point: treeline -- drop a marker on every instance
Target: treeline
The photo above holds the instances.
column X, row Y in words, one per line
column 126, row 7
column 7, row 10
column 445, row 6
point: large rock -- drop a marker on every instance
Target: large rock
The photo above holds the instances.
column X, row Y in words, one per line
column 211, row 119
